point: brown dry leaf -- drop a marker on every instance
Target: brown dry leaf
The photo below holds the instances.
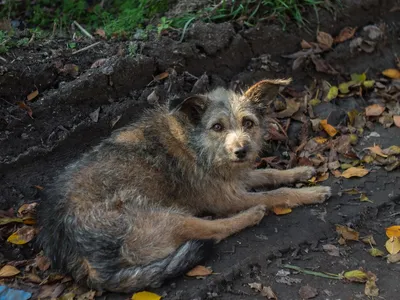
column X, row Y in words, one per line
column 42, row 262
column 32, row 277
column 345, row 34
column 292, row 106
column 374, row 110
column 25, row 107
column 32, row 95
column 265, row 291
column 332, row 250
column 369, row 239
column 355, row 172
column 305, row 45
column 393, row 245
column 101, row 33
column 325, row 40
column 392, row 73
column 347, row 233
column 393, row 231
column 377, row 150
column 329, row 129
column 27, row 208
column 199, row 271
column 51, row 291
column 393, row 258
column 161, row 76
column 396, row 120
column 371, row 289
column 322, row 66
column 308, row 292
column 22, row 236
column 8, row 271
column 336, row 173
column 392, row 150
column 322, row 177
column 281, row 210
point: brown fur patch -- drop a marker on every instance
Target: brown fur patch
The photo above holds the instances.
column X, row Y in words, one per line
column 90, row 271
column 130, row 136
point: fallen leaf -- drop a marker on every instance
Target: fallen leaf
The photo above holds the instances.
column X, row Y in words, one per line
column 396, row 120
column 323, row 66
column 32, row 277
column 393, row 245
column 8, row 271
column 145, row 296
column 345, row 34
column 308, row 292
column 392, row 150
column 392, row 73
column 199, row 271
column 355, row 172
column 281, row 210
column 325, row 40
column 22, row 236
column 27, row 209
column 305, row 45
column 393, row 231
column 32, row 95
column 356, row 276
column 369, row 239
column 329, row 129
column 332, row 250
column 51, row 291
column 25, row 107
column 333, row 93
column 364, row 198
column 42, row 262
column 369, row 84
column 336, row 173
column 320, row 140
column 265, row 291
column 101, row 33
column 375, row 252
column 95, row 115
column 161, row 76
column 377, row 150
column 347, row 233
column 344, row 88
column 292, row 106
column 67, row 296
column 393, row 258
column 4, row 221
column 70, row 69
column 371, row 289
column 358, row 78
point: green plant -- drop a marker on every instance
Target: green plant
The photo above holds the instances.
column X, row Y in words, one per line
column 163, row 25
column 4, row 47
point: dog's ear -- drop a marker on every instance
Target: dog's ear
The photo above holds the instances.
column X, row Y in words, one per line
column 193, row 107
column 265, row 90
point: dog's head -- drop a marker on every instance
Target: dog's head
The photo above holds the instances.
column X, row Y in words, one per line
column 226, row 128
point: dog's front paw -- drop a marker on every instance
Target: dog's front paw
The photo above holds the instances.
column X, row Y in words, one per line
column 320, row 193
column 255, row 214
column 304, row 173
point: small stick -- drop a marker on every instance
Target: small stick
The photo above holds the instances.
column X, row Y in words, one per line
column 86, row 48
column 84, row 30
column 3, row 59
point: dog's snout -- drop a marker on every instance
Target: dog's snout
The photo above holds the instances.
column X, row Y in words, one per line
column 241, row 152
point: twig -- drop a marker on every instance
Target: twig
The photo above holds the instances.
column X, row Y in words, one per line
column 84, row 30
column 3, row 59
column 86, row 48
column 308, row 272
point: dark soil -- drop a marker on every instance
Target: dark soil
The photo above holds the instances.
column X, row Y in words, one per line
column 73, row 112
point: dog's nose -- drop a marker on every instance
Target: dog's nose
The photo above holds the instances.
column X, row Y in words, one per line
column 241, row 152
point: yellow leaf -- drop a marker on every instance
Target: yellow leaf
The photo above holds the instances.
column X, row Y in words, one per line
column 333, row 93
column 322, row 177
column 393, row 245
column 374, row 110
column 352, row 191
column 145, row 296
column 377, row 150
column 355, row 172
column 32, row 95
column 358, row 78
column 8, row 271
column 393, row 258
column 364, row 198
column 369, row 84
column 347, row 233
column 356, row 276
column 375, row 252
column 282, row 210
column 392, row 150
column 199, row 271
column 22, row 236
column 392, row 73
column 352, row 116
column 4, row 221
column 329, row 129
column 314, row 102
column 320, row 140
column 393, row 231
column 344, row 88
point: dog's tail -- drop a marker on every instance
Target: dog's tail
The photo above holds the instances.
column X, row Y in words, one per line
column 136, row 278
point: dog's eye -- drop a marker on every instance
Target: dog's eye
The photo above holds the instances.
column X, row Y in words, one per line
column 217, row 127
column 248, row 123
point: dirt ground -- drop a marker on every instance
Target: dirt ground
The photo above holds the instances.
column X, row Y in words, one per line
column 75, row 109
